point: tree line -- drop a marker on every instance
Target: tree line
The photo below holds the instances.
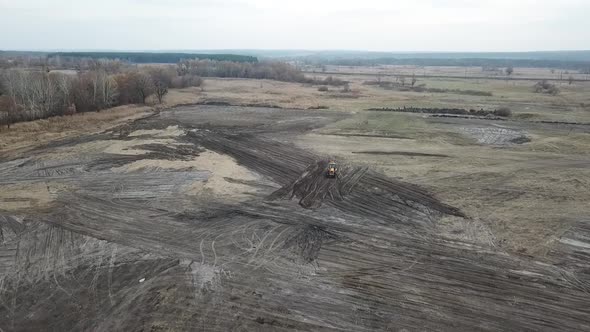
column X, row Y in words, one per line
column 152, row 57
column 30, row 93
column 279, row 71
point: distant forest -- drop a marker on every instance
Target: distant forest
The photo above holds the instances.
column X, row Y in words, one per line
column 152, row 57
column 577, row 60
column 571, row 60
column 459, row 62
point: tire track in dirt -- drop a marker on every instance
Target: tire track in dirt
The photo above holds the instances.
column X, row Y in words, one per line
column 283, row 163
column 356, row 253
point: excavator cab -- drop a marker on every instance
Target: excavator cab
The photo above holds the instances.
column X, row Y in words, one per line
column 332, row 170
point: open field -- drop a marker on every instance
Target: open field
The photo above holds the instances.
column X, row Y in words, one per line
column 455, row 72
column 571, row 105
column 185, row 216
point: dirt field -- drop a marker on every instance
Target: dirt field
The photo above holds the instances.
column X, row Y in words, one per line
column 220, row 218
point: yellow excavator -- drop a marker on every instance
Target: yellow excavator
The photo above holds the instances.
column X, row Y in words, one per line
column 332, row 170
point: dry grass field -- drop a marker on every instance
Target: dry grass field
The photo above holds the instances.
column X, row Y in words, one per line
column 26, row 135
column 527, row 195
column 456, row 72
column 571, row 105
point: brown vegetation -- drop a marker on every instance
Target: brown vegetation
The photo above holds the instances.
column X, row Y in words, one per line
column 509, row 70
column 545, row 87
column 278, row 71
column 28, row 95
column 502, row 111
column 400, row 85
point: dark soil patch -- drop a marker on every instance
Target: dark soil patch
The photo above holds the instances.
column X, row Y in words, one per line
column 435, row 110
column 370, row 135
column 403, row 153
column 521, row 140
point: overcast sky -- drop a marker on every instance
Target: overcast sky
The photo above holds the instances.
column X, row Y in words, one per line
column 373, row 25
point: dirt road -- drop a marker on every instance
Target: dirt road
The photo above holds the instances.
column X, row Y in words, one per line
column 209, row 218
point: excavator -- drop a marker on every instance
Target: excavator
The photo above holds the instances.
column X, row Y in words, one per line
column 332, row 170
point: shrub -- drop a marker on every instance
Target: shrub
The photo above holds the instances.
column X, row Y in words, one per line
column 186, row 81
column 162, row 80
column 545, row 87
column 503, row 111
column 323, row 88
column 332, row 81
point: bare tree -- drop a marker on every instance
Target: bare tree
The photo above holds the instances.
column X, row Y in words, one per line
column 162, row 80
column 64, row 85
column 570, row 79
column 111, row 92
column 414, row 80
column 402, row 80
column 94, row 91
column 12, row 82
column 142, row 85
column 183, row 67
column 509, row 70
column 32, row 95
column 107, row 90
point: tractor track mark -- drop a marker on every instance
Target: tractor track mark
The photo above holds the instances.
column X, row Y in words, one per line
column 358, row 252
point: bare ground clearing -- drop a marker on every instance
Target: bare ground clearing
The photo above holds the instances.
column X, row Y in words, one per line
column 121, row 242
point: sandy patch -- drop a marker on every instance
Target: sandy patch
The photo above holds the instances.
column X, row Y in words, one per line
column 113, row 147
column 220, row 166
column 171, row 131
column 15, row 197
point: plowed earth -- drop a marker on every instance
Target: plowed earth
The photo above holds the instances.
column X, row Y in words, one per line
column 137, row 250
